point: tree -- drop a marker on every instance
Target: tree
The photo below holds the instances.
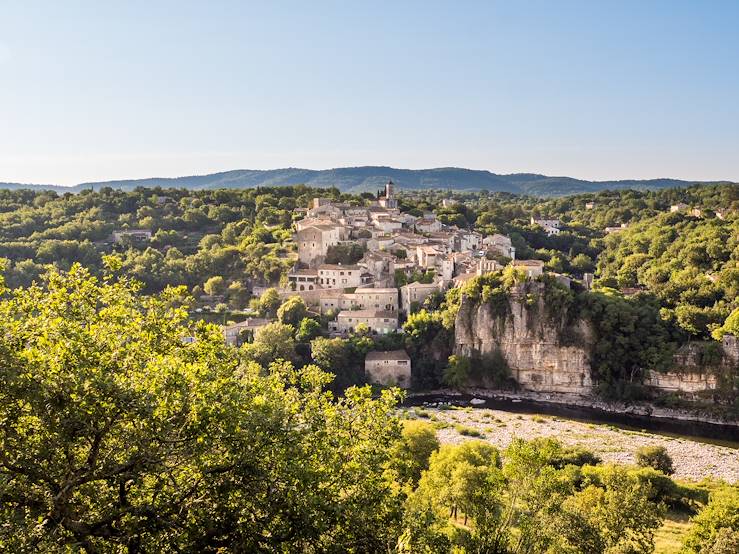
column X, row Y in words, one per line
column 308, row 330
column 214, row 286
column 457, row 373
column 716, row 525
column 413, row 452
column 655, row 457
column 269, row 302
column 292, row 311
column 118, row 437
column 274, row 341
column 614, row 515
column 730, row 326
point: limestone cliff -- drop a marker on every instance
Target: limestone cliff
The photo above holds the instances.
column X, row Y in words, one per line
column 547, row 353
column 529, row 336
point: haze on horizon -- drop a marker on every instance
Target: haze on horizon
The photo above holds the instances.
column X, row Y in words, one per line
column 95, row 91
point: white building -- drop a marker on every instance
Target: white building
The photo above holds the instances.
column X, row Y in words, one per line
column 236, row 333
column 368, row 298
column 550, row 226
column 427, row 224
column 389, row 201
column 303, row 279
column 339, row 276
column 140, row 235
column 388, row 368
column 500, row 244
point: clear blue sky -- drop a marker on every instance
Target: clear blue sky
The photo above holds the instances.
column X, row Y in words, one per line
column 95, row 90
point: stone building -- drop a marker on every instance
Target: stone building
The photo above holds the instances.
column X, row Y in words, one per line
column 415, row 293
column 533, row 268
column 314, row 242
column 380, row 322
column 237, row 333
column 339, row 276
column 388, row 368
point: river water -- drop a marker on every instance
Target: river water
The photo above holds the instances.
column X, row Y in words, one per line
column 725, row 435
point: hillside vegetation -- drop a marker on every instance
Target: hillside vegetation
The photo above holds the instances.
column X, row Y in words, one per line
column 368, row 178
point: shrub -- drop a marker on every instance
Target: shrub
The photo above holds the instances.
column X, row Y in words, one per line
column 655, row 457
column 467, row 431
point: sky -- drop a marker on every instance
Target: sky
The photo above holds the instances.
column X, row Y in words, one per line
column 100, row 90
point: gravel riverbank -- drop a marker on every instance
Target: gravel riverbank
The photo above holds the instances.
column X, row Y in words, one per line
column 692, row 460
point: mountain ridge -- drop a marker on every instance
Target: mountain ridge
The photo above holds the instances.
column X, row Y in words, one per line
column 370, row 178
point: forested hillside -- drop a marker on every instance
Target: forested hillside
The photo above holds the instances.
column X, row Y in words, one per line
column 237, row 239
column 368, row 178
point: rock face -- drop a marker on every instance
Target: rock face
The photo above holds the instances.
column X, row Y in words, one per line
column 528, row 337
column 528, row 334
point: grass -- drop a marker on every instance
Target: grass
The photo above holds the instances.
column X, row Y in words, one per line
column 420, row 412
column 668, row 539
column 468, row 431
column 538, row 419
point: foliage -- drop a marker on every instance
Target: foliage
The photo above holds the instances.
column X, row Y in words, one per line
column 269, row 303
column 730, row 326
column 716, row 527
column 655, row 457
column 292, row 311
column 468, row 501
column 414, row 450
column 274, row 341
column 117, row 436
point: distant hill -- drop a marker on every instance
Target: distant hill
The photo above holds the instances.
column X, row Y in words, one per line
column 370, row 178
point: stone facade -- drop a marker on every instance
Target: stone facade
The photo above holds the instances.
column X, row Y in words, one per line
column 379, row 321
column 388, row 368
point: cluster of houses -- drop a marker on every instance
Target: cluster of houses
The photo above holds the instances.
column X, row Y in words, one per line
column 383, row 286
column 373, row 291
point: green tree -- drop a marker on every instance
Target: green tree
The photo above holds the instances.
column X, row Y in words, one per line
column 308, row 330
column 118, row 437
column 292, row 311
column 414, row 450
column 274, row 341
column 655, row 457
column 269, row 302
column 715, row 525
column 214, row 286
column 613, row 516
column 730, row 326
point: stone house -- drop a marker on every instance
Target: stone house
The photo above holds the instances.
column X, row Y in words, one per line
column 339, row 276
column 234, row 334
column 380, row 322
column 388, row 368
column 533, row 268
column 415, row 293
column 314, row 242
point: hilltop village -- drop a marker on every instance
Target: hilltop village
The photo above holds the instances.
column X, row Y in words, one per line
column 404, row 260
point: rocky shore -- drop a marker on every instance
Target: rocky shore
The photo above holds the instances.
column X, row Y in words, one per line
column 692, row 460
